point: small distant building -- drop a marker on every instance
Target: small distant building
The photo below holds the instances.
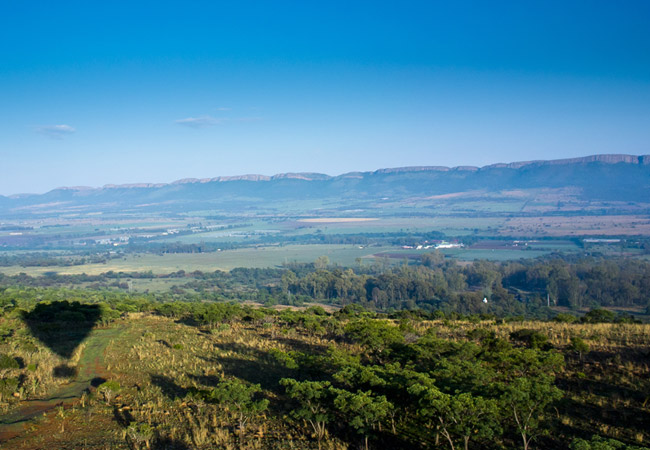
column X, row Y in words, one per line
column 449, row 245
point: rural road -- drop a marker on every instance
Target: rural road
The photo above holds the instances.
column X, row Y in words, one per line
column 90, row 371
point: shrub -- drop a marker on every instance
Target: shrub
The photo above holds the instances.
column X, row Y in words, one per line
column 579, row 345
column 599, row 443
column 565, row 318
column 599, row 315
column 7, row 387
column 8, row 363
column 531, row 338
column 108, row 390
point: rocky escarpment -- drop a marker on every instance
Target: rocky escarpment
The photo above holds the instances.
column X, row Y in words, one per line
column 618, row 178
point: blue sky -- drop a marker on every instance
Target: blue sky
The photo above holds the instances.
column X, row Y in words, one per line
column 123, row 92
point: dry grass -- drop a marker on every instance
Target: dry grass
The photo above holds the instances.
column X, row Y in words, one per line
column 158, row 362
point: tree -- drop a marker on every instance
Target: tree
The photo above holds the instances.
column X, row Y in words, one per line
column 527, row 398
column 579, row 346
column 312, row 397
column 363, row 410
column 459, row 415
column 599, row 316
column 322, row 262
column 139, row 434
column 109, row 389
column 238, row 396
column 376, row 335
column 288, row 281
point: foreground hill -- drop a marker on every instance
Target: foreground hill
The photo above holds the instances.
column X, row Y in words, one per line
column 611, row 181
column 208, row 375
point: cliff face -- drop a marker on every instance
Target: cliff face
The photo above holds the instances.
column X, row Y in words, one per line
column 605, row 159
column 622, row 178
column 308, row 176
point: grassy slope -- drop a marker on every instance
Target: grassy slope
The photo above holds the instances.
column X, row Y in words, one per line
column 158, row 360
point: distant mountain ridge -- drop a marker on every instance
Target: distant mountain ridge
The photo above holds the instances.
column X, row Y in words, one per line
column 604, row 178
column 312, row 176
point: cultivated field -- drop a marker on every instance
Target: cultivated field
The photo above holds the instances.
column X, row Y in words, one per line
column 225, row 260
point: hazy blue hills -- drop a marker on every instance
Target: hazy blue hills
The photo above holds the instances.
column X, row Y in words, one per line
column 599, row 178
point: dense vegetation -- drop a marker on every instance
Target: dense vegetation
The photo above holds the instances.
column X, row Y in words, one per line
column 222, row 375
column 428, row 353
column 509, row 288
column 525, row 287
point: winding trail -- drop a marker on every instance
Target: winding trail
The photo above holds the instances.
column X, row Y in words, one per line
column 90, row 371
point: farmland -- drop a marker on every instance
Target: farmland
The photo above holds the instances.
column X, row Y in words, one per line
column 257, row 257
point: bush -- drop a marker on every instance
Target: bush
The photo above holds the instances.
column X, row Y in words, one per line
column 375, row 335
column 599, row 315
column 599, row 443
column 531, row 338
column 481, row 334
column 565, row 318
column 8, row 363
column 578, row 345
column 352, row 310
column 109, row 389
column 316, row 310
column 7, row 387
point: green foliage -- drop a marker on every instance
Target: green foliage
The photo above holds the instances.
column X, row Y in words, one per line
column 600, row 443
column 317, row 310
column 321, row 262
column 460, row 380
column 362, row 410
column 217, row 313
column 565, row 318
column 240, row 398
column 107, row 314
column 28, row 348
column 527, row 398
column 109, row 390
column 579, row 345
column 352, row 310
column 7, row 387
column 286, row 359
column 532, row 338
column 459, row 416
column 599, row 315
column 376, row 335
column 138, row 434
column 481, row 334
column 8, row 363
column 313, row 398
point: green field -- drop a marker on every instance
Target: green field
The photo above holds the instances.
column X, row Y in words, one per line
column 261, row 257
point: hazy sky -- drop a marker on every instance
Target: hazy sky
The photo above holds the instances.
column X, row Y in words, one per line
column 117, row 92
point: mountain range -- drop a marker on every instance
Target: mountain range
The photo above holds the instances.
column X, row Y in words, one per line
column 598, row 178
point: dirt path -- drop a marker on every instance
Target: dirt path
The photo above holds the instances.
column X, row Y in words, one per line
column 91, row 371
